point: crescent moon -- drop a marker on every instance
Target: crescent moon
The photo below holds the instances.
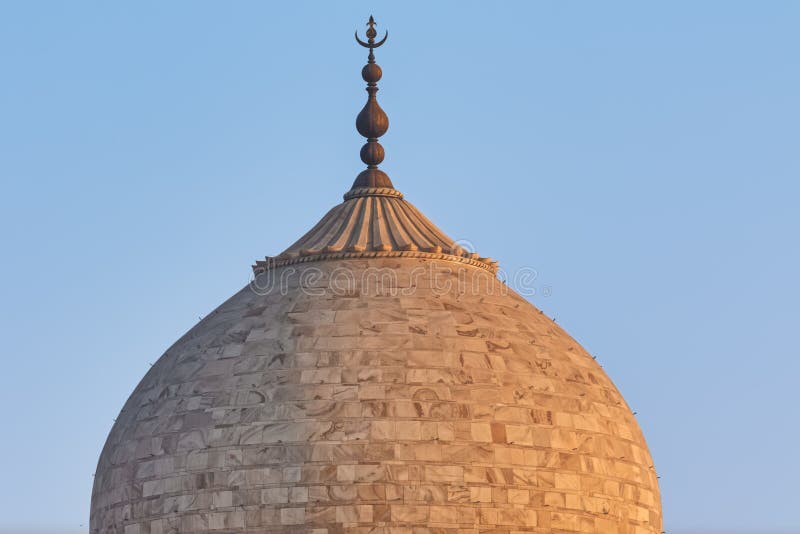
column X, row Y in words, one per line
column 376, row 45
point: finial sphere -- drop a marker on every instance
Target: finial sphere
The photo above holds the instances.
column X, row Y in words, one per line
column 372, row 153
column 371, row 73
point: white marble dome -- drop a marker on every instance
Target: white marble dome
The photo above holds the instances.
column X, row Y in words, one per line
column 386, row 392
column 376, row 378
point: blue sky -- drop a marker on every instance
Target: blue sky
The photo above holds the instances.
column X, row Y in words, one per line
column 641, row 157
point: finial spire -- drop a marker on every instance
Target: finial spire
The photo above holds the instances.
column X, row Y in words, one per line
column 372, row 121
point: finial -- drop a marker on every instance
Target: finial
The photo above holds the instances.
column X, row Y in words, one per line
column 372, row 121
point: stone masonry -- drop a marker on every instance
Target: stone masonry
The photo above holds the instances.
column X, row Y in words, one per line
column 384, row 395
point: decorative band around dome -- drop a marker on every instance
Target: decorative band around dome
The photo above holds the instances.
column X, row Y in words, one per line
column 373, row 191
column 269, row 263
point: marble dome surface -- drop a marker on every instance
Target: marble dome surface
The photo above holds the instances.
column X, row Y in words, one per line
column 364, row 395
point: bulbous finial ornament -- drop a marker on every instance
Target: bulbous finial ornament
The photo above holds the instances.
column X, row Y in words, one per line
column 372, row 122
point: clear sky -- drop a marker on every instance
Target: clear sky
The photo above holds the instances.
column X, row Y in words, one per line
column 643, row 157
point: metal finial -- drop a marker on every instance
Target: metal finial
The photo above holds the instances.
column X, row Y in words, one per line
column 372, row 121
column 371, row 34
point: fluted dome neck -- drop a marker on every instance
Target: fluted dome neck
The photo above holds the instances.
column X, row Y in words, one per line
column 375, row 222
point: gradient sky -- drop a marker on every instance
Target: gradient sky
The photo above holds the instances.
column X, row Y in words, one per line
column 642, row 157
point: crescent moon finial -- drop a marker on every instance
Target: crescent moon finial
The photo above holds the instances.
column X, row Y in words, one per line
column 371, row 34
column 372, row 121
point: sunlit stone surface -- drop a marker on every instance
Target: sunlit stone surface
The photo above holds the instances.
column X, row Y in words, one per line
column 399, row 395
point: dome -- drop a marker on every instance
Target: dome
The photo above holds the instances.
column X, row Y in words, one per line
column 375, row 377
